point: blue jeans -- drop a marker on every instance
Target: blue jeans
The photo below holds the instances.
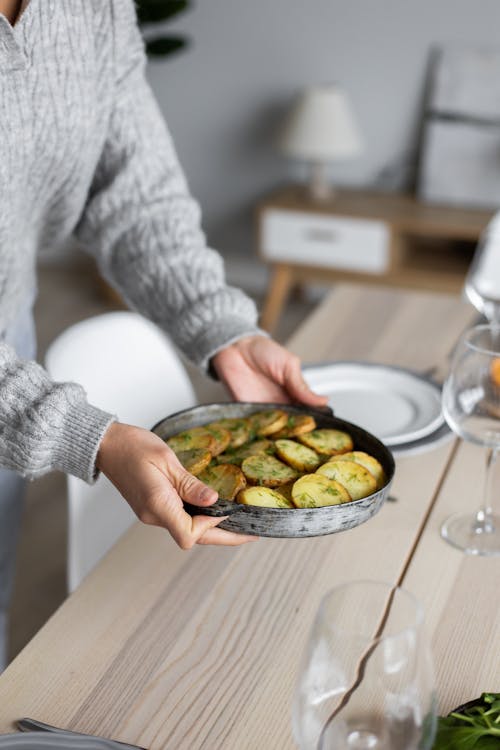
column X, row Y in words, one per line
column 21, row 336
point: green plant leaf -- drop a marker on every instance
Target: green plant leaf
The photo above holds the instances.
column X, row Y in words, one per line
column 473, row 726
column 165, row 45
column 156, row 11
column 451, row 737
column 493, row 701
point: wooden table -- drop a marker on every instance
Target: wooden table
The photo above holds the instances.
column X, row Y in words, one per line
column 169, row 649
column 368, row 236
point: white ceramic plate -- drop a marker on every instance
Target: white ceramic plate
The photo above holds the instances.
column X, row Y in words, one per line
column 396, row 405
column 439, row 437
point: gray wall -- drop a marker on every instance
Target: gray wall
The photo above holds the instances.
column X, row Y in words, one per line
column 224, row 97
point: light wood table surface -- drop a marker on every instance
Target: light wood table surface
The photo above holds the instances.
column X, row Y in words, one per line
column 185, row 650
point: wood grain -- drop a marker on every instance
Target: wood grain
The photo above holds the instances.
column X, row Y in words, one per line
column 417, row 330
column 169, row 649
column 218, row 638
column 460, row 593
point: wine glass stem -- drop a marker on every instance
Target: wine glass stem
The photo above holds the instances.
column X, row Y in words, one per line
column 484, row 518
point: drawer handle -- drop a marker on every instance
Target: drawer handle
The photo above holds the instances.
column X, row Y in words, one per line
column 321, row 235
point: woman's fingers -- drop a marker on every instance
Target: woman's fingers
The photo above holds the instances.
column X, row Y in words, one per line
column 185, row 529
column 297, row 387
column 189, row 489
column 190, row 530
column 256, row 368
column 227, row 538
column 153, row 481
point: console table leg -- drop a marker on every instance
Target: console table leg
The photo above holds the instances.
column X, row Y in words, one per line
column 277, row 293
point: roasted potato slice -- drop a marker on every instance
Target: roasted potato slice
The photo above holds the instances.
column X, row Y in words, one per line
column 227, row 480
column 239, row 430
column 189, row 440
column 369, row 462
column 265, row 497
column 268, row 422
column 297, row 424
column 355, row 478
column 249, row 449
column 316, row 490
column 267, row 471
column 221, row 436
column 298, row 456
column 327, row 442
column 194, row 460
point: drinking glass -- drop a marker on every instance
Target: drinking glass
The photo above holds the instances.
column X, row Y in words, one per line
column 471, row 406
column 366, row 681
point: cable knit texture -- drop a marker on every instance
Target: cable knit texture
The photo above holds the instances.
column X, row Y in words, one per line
column 84, row 150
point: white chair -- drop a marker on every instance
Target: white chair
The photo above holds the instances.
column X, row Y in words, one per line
column 129, row 368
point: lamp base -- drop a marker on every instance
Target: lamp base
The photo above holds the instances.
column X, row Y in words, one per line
column 320, row 189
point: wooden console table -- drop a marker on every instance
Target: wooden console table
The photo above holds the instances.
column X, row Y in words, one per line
column 362, row 236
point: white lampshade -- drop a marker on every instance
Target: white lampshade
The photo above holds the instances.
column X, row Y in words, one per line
column 321, row 126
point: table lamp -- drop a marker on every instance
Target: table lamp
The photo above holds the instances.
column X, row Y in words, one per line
column 321, row 128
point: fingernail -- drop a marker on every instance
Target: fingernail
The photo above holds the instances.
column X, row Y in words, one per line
column 208, row 496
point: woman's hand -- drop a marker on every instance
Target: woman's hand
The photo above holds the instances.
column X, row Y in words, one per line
column 151, row 479
column 258, row 369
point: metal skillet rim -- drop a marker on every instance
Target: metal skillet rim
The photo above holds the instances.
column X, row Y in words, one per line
column 226, row 507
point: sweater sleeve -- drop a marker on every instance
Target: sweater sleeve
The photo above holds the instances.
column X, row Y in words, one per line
column 46, row 425
column 142, row 225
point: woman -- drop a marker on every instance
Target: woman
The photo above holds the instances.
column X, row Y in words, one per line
column 84, row 150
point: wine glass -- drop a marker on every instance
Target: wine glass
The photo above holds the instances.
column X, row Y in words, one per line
column 482, row 283
column 471, row 406
column 366, row 681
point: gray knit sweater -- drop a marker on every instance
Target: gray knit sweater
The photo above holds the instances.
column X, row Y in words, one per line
column 84, row 150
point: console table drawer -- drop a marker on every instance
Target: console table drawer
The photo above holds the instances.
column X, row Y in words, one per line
column 331, row 242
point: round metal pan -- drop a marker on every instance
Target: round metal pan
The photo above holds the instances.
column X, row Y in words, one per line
column 281, row 522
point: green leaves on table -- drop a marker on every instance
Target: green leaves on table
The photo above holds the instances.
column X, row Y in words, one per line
column 474, row 726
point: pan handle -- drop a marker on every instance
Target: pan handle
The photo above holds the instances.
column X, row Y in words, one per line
column 326, row 410
column 220, row 508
